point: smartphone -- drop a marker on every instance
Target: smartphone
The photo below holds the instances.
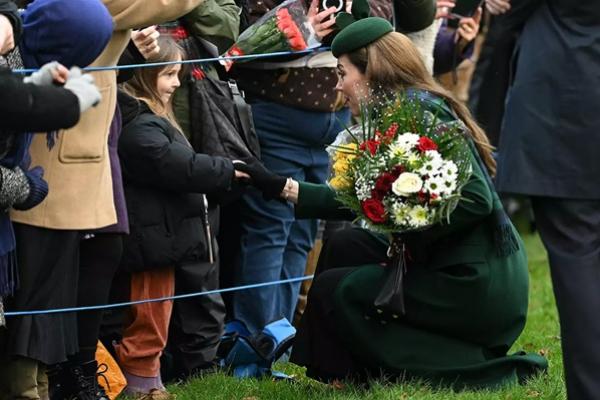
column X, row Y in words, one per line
column 340, row 5
column 463, row 9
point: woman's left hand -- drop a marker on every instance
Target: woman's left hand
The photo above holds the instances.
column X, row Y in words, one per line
column 322, row 22
column 468, row 28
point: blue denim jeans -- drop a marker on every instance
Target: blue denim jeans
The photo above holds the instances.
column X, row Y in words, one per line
column 274, row 245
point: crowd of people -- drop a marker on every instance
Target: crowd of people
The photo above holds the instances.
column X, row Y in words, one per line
column 114, row 187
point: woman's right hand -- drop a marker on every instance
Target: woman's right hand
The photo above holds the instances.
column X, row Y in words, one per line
column 322, row 22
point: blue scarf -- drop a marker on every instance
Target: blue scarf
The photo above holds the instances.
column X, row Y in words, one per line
column 9, row 279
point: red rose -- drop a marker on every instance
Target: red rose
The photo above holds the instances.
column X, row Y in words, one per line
column 374, row 210
column 426, row 144
column 384, row 183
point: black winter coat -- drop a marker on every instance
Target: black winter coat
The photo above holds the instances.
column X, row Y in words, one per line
column 25, row 107
column 165, row 182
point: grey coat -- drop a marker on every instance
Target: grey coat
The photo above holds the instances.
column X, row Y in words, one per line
column 551, row 131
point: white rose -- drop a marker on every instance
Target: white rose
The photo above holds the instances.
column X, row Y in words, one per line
column 407, row 184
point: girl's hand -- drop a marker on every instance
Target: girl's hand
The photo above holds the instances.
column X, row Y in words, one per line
column 322, row 22
column 497, row 7
column 443, row 8
column 468, row 28
column 241, row 175
column 146, row 41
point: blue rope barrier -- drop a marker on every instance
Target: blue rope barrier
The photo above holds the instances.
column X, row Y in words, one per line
column 159, row 299
column 196, row 61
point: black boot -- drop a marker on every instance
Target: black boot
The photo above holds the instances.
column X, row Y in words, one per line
column 86, row 382
column 60, row 382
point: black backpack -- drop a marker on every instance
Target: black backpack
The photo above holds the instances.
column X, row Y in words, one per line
column 221, row 121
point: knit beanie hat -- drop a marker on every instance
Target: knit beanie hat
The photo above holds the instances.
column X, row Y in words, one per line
column 72, row 32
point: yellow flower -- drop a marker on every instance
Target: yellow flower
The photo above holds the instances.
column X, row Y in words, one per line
column 346, row 152
column 340, row 167
column 339, row 182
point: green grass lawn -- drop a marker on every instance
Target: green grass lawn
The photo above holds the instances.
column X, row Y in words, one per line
column 541, row 335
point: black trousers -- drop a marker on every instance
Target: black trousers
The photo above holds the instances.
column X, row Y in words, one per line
column 196, row 323
column 318, row 345
column 570, row 230
column 99, row 260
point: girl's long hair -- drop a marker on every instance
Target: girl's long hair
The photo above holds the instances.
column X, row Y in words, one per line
column 393, row 62
column 143, row 84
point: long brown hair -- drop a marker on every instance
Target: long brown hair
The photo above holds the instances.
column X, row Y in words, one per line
column 393, row 62
column 143, row 85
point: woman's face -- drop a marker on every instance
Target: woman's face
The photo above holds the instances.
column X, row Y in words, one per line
column 352, row 83
column 168, row 81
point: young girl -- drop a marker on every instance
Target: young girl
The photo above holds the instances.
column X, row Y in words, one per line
column 165, row 183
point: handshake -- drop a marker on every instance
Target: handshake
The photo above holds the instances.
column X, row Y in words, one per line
column 81, row 85
column 252, row 170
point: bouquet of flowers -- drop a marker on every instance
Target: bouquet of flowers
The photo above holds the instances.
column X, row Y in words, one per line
column 283, row 28
column 401, row 170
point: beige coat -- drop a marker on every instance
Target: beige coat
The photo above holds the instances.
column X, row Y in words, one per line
column 78, row 167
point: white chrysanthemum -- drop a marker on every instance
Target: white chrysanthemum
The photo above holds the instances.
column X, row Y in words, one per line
column 449, row 170
column 448, row 185
column 434, row 185
column 435, row 158
column 419, row 216
column 400, row 213
column 404, row 143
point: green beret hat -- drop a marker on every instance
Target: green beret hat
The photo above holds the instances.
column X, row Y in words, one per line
column 359, row 34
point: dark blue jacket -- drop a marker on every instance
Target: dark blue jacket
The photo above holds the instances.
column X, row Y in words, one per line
column 549, row 141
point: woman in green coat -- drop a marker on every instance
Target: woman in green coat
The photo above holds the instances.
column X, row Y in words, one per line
column 466, row 283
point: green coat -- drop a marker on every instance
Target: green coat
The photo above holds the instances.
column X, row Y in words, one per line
column 465, row 305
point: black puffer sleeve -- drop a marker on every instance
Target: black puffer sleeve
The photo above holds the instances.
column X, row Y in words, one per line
column 30, row 108
column 153, row 153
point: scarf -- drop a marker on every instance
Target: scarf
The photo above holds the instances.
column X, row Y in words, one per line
column 8, row 260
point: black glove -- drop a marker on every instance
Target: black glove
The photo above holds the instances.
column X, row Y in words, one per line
column 271, row 185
